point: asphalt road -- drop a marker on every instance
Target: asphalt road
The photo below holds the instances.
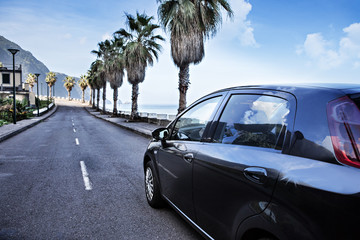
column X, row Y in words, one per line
column 77, row 177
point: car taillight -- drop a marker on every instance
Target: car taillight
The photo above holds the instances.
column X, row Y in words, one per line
column 344, row 124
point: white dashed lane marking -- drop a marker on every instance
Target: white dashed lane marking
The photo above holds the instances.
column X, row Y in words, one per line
column 85, row 174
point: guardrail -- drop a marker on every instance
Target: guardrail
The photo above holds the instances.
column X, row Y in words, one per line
column 43, row 110
column 154, row 118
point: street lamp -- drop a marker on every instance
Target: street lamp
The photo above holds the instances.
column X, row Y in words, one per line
column 37, row 85
column 47, row 95
column 13, row 52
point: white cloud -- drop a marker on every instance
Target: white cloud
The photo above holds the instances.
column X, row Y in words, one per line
column 106, row 36
column 244, row 30
column 67, row 36
column 83, row 40
column 326, row 55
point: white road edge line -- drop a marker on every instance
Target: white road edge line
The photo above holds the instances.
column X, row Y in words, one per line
column 77, row 141
column 88, row 185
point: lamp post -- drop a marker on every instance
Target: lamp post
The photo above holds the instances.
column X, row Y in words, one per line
column 47, row 96
column 13, row 52
column 37, row 85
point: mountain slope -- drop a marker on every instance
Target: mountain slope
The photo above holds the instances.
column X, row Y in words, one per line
column 30, row 64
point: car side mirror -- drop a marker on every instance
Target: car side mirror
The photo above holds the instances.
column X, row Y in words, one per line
column 160, row 134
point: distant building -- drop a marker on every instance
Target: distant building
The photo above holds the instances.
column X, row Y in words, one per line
column 6, row 84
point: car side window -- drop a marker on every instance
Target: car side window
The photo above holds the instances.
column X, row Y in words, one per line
column 253, row 120
column 191, row 125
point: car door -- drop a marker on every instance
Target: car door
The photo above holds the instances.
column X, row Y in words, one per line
column 175, row 156
column 233, row 174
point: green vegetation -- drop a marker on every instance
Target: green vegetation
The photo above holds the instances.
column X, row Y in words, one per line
column 132, row 50
column 69, row 84
column 140, row 51
column 23, row 111
column 190, row 22
column 50, row 80
column 95, row 80
column 6, row 110
column 31, row 80
column 83, row 83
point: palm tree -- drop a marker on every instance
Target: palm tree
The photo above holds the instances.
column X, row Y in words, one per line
column 96, row 77
column 104, row 54
column 83, row 84
column 69, row 84
column 91, row 86
column 92, row 81
column 31, row 80
column 50, row 79
column 190, row 22
column 141, row 48
column 115, row 68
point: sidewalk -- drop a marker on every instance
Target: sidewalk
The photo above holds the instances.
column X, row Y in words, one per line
column 142, row 128
column 11, row 130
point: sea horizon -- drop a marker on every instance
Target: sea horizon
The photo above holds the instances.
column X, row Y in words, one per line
column 170, row 109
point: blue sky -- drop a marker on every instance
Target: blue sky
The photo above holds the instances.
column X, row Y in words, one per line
column 273, row 41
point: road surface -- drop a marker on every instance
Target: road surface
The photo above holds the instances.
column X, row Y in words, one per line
column 77, row 177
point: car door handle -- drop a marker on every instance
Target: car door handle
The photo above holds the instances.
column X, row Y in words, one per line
column 256, row 174
column 188, row 157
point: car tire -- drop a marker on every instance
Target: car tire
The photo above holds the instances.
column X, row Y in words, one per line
column 152, row 188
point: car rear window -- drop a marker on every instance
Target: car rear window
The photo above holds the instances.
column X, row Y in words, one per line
column 253, row 120
column 356, row 99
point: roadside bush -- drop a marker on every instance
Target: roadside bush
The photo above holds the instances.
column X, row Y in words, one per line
column 6, row 110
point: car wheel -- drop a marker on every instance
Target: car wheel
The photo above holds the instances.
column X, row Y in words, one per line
column 152, row 189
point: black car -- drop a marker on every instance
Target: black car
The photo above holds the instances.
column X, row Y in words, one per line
column 262, row 162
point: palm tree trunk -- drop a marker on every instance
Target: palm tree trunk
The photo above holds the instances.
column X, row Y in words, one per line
column 104, row 98
column 134, row 98
column 91, row 94
column 183, row 86
column 83, row 96
column 69, row 95
column 115, row 101
column 98, row 99
column 50, row 91
column 94, row 93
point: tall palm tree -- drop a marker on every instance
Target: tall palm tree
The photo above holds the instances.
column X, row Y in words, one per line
column 69, row 84
column 141, row 48
column 93, row 79
column 104, row 54
column 31, row 80
column 50, row 79
column 91, row 86
column 83, row 84
column 115, row 68
column 190, row 22
column 96, row 70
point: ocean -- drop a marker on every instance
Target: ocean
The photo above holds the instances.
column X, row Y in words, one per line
column 148, row 108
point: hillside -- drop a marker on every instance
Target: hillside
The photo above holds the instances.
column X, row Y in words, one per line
column 30, row 64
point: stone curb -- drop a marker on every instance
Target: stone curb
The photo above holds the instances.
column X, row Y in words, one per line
column 143, row 132
column 13, row 133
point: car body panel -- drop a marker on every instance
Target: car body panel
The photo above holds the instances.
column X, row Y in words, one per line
column 298, row 191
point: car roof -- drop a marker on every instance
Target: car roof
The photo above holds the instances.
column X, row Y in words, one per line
column 344, row 88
